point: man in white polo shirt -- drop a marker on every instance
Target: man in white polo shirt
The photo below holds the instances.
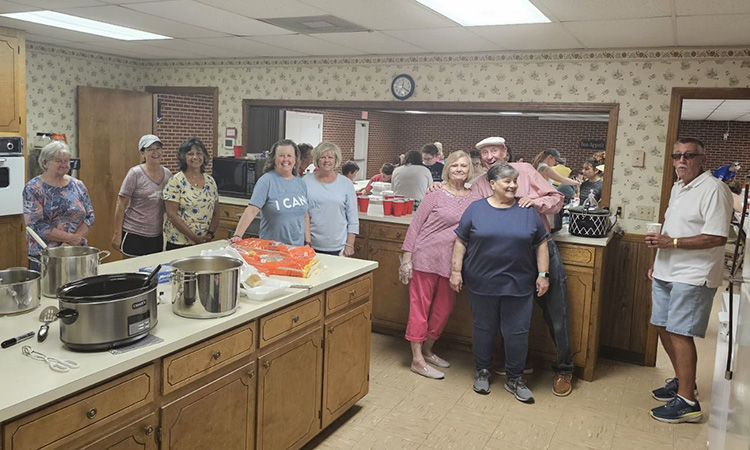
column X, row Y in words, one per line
column 686, row 273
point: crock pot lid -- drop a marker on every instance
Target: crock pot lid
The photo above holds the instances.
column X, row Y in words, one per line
column 105, row 288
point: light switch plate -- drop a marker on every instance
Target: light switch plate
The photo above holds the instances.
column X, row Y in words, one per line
column 639, row 158
column 645, row 213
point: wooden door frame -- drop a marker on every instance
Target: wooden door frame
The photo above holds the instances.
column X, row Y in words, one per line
column 612, row 109
column 192, row 90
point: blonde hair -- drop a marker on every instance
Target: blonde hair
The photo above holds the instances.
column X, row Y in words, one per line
column 327, row 147
column 452, row 158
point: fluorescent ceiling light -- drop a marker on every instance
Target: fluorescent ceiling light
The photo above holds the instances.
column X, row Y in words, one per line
column 487, row 12
column 58, row 20
column 510, row 113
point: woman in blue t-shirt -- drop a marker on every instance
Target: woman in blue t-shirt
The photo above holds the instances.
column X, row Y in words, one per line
column 501, row 254
column 282, row 197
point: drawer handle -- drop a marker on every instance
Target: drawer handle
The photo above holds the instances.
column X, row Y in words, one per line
column 398, row 235
column 216, row 355
column 295, row 319
column 91, row 413
column 267, row 364
column 353, row 293
column 149, row 429
column 330, row 330
column 251, row 374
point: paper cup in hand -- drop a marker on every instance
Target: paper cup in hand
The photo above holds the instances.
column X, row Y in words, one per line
column 653, row 228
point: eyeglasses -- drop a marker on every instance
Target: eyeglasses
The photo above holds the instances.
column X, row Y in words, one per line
column 687, row 156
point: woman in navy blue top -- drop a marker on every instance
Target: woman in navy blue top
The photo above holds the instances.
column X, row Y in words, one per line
column 501, row 254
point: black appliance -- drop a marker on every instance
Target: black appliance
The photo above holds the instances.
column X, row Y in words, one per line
column 237, row 177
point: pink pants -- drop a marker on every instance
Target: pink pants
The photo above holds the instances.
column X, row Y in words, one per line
column 431, row 302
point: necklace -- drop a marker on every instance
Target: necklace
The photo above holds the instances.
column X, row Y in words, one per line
column 194, row 181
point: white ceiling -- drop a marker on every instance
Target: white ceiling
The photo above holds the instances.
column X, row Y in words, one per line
column 719, row 110
column 230, row 28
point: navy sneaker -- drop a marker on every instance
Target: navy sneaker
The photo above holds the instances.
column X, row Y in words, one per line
column 677, row 411
column 669, row 390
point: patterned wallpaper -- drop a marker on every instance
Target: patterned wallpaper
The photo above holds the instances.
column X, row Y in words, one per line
column 640, row 81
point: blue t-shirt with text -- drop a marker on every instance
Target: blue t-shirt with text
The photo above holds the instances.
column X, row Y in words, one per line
column 283, row 204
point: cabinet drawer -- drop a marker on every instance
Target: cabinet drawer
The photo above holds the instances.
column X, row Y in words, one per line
column 577, row 255
column 57, row 425
column 348, row 293
column 229, row 212
column 279, row 324
column 364, row 228
column 206, row 357
column 388, row 232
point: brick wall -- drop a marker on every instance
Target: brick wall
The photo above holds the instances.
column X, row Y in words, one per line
column 719, row 151
column 184, row 116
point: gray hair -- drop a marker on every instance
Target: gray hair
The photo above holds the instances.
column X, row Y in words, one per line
column 323, row 147
column 501, row 170
column 50, row 152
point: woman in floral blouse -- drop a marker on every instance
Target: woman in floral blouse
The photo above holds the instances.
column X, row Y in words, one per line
column 56, row 205
column 191, row 199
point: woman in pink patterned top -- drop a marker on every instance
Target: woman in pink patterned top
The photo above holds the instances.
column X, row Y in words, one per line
column 427, row 263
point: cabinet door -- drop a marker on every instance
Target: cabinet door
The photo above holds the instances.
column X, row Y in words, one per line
column 360, row 248
column 225, row 230
column 347, row 362
column 12, row 242
column 219, row 415
column 390, row 298
column 137, row 435
column 9, row 85
column 289, row 386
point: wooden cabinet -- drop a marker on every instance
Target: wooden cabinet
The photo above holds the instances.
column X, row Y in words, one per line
column 12, row 83
column 348, row 293
column 347, row 362
column 289, row 393
column 139, row 434
column 219, row 415
column 13, row 251
column 228, row 220
column 296, row 317
column 390, row 305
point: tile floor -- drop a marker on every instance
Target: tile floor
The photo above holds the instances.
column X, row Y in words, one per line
column 406, row 411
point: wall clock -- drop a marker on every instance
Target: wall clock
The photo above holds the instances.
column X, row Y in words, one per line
column 402, row 86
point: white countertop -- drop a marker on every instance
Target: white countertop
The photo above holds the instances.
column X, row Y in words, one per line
column 234, row 200
column 28, row 384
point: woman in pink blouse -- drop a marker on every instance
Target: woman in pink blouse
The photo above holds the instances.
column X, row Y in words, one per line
column 427, row 263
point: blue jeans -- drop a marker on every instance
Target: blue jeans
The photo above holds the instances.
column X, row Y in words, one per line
column 512, row 316
column 554, row 304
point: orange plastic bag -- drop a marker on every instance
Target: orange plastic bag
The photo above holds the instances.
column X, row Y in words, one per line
column 275, row 258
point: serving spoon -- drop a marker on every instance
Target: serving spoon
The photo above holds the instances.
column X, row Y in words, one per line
column 36, row 237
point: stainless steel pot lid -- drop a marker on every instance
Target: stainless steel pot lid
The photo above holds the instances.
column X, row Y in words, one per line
column 69, row 251
column 102, row 288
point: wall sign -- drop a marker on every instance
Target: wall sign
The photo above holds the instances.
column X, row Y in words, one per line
column 594, row 144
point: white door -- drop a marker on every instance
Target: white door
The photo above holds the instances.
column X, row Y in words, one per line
column 361, row 139
column 304, row 127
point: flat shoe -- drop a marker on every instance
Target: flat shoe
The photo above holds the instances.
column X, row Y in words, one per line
column 435, row 360
column 428, row 371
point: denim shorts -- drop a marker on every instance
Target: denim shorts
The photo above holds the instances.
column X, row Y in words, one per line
column 682, row 308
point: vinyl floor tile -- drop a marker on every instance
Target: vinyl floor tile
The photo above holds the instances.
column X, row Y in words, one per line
column 535, row 435
column 627, row 438
column 446, row 437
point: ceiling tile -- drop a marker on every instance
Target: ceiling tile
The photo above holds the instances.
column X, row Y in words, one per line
column 54, row 5
column 445, row 40
column 582, row 10
column 141, row 50
column 10, row 7
column 626, row 33
column 307, row 45
column 371, row 42
column 205, row 51
column 205, row 16
column 384, row 14
column 266, row 9
column 247, row 47
column 713, row 30
column 528, row 37
column 703, row 7
column 125, row 17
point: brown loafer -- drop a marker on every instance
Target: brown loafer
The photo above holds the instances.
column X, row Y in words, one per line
column 428, row 371
column 562, row 384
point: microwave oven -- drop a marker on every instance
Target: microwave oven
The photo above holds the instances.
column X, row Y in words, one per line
column 236, row 177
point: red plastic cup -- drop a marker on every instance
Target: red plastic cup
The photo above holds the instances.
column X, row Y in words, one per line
column 390, row 197
column 238, row 151
column 364, row 203
column 409, row 206
column 388, row 207
column 399, row 207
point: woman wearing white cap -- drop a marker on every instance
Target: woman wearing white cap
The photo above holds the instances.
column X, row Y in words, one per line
column 594, row 182
column 544, row 162
column 139, row 213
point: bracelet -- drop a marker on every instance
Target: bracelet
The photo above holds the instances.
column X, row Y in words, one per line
column 348, row 245
column 237, row 235
column 674, row 242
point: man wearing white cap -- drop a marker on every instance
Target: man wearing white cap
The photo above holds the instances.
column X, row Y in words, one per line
column 727, row 173
column 535, row 191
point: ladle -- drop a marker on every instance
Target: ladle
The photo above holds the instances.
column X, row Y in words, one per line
column 153, row 274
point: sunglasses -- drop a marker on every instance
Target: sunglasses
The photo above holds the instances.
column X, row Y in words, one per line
column 688, row 156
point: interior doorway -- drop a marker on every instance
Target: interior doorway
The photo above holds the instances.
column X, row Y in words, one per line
column 304, row 127
column 361, row 142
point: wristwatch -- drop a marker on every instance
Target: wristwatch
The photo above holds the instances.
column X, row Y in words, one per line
column 544, row 274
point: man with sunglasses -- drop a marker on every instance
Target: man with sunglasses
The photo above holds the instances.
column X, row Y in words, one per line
column 686, row 273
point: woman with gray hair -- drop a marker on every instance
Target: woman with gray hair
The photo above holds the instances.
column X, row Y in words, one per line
column 501, row 253
column 191, row 199
column 55, row 205
column 334, row 222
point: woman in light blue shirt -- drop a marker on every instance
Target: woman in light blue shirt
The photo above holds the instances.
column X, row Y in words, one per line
column 333, row 204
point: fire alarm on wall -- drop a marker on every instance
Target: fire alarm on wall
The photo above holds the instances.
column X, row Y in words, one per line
column 231, row 132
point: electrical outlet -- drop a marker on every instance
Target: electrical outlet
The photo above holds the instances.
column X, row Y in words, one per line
column 619, row 212
column 639, row 158
column 644, row 213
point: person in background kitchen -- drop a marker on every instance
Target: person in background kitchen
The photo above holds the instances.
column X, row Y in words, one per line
column 535, row 191
column 306, row 159
column 426, row 263
column 282, row 197
column 412, row 179
column 429, row 160
column 727, row 172
column 349, row 169
column 191, row 199
column 440, row 155
column 55, row 205
column 139, row 213
column 686, row 273
column 476, row 162
column 569, row 191
column 501, row 254
column 386, row 170
column 736, row 189
column 545, row 160
column 334, row 221
column 594, row 181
